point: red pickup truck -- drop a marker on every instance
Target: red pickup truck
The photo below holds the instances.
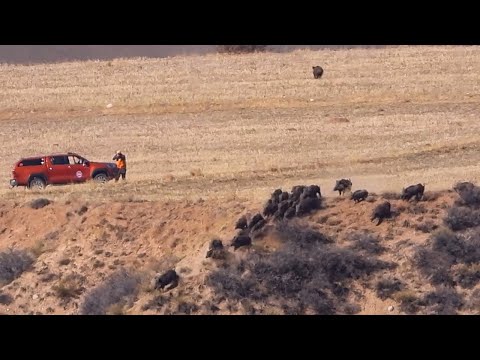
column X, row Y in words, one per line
column 60, row 169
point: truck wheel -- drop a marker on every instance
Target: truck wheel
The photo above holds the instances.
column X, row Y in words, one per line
column 37, row 184
column 100, row 178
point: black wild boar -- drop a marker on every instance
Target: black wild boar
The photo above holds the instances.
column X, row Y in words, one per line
column 307, row 205
column 241, row 223
column 270, row 208
column 240, row 241
column 168, row 278
column 381, row 212
column 317, row 72
column 257, row 218
column 413, row 190
column 359, row 195
column 215, row 250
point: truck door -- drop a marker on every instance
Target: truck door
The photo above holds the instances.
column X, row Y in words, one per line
column 78, row 169
column 58, row 169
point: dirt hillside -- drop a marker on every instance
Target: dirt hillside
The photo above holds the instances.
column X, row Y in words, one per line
column 76, row 247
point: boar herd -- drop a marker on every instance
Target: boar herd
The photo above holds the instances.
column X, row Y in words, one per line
column 301, row 200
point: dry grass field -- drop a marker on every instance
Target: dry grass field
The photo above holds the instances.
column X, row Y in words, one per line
column 207, row 139
column 219, row 125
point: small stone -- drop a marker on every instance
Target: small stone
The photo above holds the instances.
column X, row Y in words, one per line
column 35, row 297
column 109, row 106
column 390, row 308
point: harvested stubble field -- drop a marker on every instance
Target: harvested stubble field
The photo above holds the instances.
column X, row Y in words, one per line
column 218, row 125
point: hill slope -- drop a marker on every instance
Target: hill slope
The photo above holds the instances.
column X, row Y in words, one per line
column 77, row 256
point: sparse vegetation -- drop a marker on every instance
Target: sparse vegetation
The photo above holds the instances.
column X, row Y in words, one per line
column 238, row 49
column 426, row 227
column 431, row 195
column 82, row 210
column 364, row 241
column 391, row 195
column 473, row 302
column 446, row 249
column 39, row 203
column 98, row 264
column 5, row 299
column 38, row 249
column 443, row 301
column 308, row 274
column 465, row 248
column 121, row 286
column 434, row 265
column 409, row 301
column 69, row 287
column 467, row 276
column 387, row 287
column 187, row 308
column 157, row 303
column 12, row 264
column 470, row 196
column 447, row 242
column 465, row 213
column 417, row 209
column 116, row 309
column 294, row 232
column 461, row 218
column 47, row 243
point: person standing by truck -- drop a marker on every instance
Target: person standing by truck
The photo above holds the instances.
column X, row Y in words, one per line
column 121, row 161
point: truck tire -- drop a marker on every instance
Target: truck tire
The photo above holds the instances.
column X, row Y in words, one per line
column 100, row 178
column 37, row 183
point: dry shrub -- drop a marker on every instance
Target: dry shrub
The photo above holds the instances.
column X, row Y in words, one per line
column 462, row 217
column 13, row 263
column 443, row 301
column 239, row 49
column 308, row 274
column 450, row 258
column 409, row 301
column 391, row 196
column 39, row 203
column 121, row 286
column 365, row 241
column 386, row 287
column 70, row 287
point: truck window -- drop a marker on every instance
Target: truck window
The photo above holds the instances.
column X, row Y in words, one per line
column 31, row 162
column 60, row 160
